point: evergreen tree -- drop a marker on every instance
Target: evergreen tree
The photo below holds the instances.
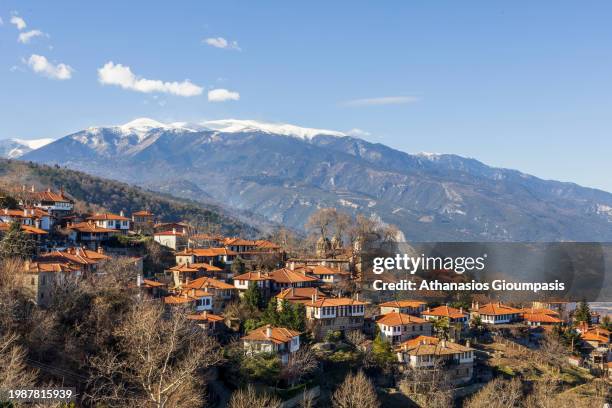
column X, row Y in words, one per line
column 17, row 244
column 583, row 313
column 238, row 266
column 382, row 351
column 253, row 297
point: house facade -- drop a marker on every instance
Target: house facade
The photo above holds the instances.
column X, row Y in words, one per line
column 397, row 327
column 268, row 339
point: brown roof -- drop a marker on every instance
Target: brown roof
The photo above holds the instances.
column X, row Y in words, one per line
column 4, row 226
column 398, row 319
column 36, row 267
column 445, row 311
column 278, row 335
column 323, row 270
column 207, row 252
column 176, row 233
column 403, row 303
column 80, row 256
column 285, row 275
column 107, row 216
column 335, row 302
column 206, row 281
column 50, row 196
column 596, row 334
column 143, row 213
column 497, row 309
column 425, row 345
column 89, row 227
column 541, row 318
column 295, row 294
column 532, row 310
column 205, row 316
column 253, row 276
column 152, row 284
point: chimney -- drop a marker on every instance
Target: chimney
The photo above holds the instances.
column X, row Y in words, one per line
column 174, row 230
column 461, row 309
column 268, row 331
column 443, row 343
column 32, row 188
column 467, row 343
column 205, row 314
column 357, row 296
column 139, row 280
column 121, row 213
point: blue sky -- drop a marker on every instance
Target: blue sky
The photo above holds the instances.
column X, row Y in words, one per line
column 525, row 85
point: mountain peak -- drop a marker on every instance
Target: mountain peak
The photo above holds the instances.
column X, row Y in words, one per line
column 241, row 125
column 142, row 124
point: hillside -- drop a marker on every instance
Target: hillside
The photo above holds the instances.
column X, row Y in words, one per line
column 284, row 173
column 114, row 196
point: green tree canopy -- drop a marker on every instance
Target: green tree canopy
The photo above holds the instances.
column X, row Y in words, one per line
column 17, row 244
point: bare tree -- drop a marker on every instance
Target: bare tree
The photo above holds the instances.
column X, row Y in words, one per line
column 356, row 391
column 13, row 370
column 355, row 337
column 429, row 387
column 301, row 363
column 321, row 221
column 249, row 398
column 155, row 363
column 498, row 393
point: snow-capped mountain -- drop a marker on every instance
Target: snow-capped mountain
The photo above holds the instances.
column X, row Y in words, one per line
column 14, row 148
column 285, row 172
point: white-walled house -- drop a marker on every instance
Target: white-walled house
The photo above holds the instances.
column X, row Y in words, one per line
column 411, row 307
column 496, row 313
column 453, row 315
column 174, row 239
column 425, row 352
column 398, row 327
column 116, row 222
column 268, row 339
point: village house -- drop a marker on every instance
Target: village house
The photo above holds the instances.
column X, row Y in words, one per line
column 334, row 314
column 398, row 327
column 342, row 263
column 222, row 293
column 84, row 259
column 268, row 339
column 563, row 308
column 119, row 223
column 299, row 295
column 425, row 352
column 184, row 273
column 32, row 217
column 496, row 313
column 411, row 307
column 40, row 279
column 89, row 234
column 220, row 257
column 193, row 299
column 325, row 274
column 143, row 221
column 540, row 317
column 210, row 323
column 173, row 239
column 261, row 279
column 207, row 240
column 286, row 278
column 453, row 315
column 56, row 204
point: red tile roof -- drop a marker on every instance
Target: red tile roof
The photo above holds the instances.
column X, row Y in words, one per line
column 398, row 319
column 205, row 281
column 107, row 216
column 403, row 303
column 335, row 302
column 90, row 228
column 205, row 317
column 278, row 335
column 445, row 311
column 285, row 275
column 497, row 309
column 541, row 318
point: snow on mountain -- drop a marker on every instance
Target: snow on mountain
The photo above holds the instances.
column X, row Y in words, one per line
column 237, row 126
column 14, row 148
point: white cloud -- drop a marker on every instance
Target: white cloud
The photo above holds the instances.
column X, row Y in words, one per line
column 385, row 100
column 222, row 95
column 358, row 132
column 121, row 75
column 1, row 21
column 26, row 36
column 19, row 22
column 220, row 42
column 42, row 66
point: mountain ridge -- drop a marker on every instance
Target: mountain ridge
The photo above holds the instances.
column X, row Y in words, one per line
column 429, row 197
